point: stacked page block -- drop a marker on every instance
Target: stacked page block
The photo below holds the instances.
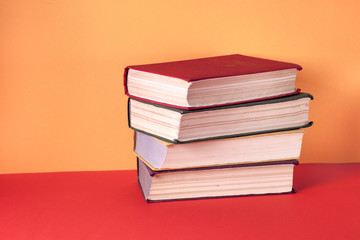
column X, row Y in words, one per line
column 216, row 127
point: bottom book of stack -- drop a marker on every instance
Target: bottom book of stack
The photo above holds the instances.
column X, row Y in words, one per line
column 259, row 178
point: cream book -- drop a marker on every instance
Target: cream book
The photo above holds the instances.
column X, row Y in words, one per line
column 160, row 155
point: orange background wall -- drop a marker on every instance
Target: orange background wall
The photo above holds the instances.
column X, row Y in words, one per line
column 62, row 106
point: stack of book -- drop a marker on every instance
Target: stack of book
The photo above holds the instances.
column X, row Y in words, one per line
column 216, row 127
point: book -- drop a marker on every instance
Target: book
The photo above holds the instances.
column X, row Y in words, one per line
column 213, row 182
column 212, row 81
column 160, row 155
column 183, row 126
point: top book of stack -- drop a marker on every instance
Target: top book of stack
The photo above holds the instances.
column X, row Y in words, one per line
column 211, row 82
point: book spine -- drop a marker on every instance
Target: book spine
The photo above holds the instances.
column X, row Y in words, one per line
column 126, row 70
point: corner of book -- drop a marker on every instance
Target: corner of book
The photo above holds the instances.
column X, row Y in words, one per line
column 140, row 183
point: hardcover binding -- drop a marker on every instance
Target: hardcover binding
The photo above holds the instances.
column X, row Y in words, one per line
column 249, row 65
column 288, row 98
column 152, row 173
column 214, row 67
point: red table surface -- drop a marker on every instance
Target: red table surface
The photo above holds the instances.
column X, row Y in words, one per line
column 109, row 205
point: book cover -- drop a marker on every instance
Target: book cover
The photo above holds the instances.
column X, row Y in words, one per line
column 146, row 175
column 249, row 104
column 211, row 67
column 159, row 155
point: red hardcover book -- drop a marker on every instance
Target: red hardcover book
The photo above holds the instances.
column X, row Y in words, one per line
column 209, row 82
